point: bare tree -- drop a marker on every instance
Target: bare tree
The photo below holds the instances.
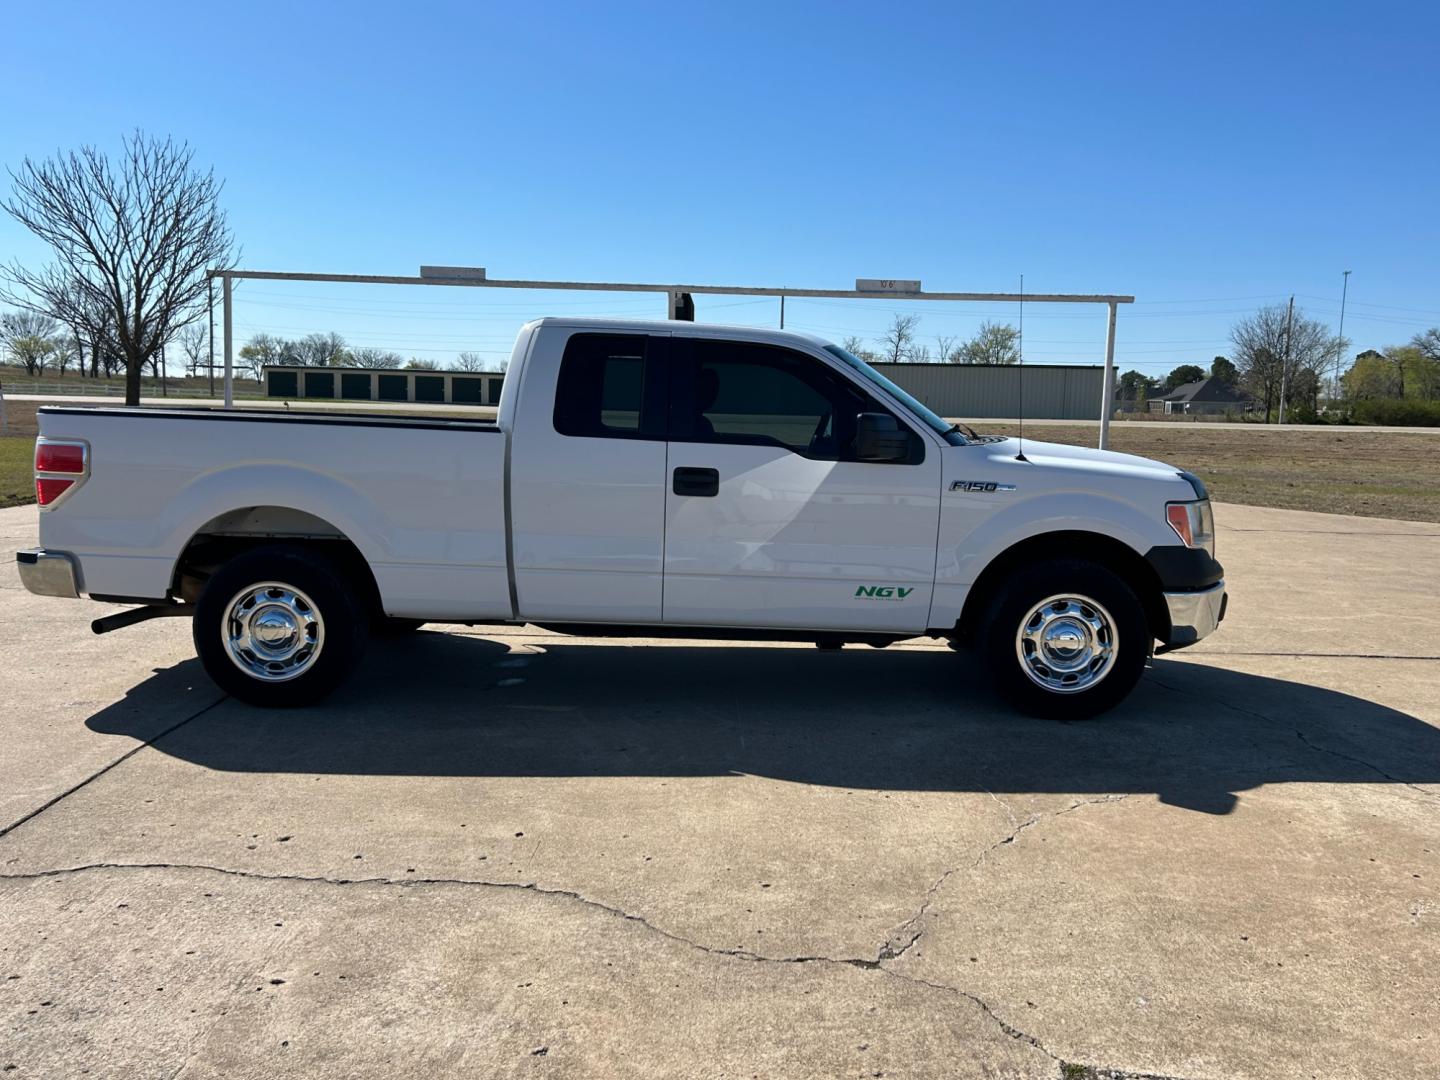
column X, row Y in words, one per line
column 321, row 350
column 470, row 361
column 1261, row 348
column 367, row 356
column 855, row 346
column 945, row 347
column 994, row 343
column 265, row 349
column 899, row 339
column 1428, row 343
column 132, row 239
column 417, row 364
column 195, row 344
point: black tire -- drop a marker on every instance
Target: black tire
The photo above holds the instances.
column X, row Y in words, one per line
column 340, row 625
column 1022, row 595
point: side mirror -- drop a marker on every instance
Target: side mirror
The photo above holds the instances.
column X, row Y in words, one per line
column 879, row 437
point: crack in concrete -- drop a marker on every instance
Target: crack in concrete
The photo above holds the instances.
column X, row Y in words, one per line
column 1360, row 761
column 889, row 951
column 864, row 964
column 1222, row 653
column 6, row 830
column 1429, row 795
column 1070, row 1070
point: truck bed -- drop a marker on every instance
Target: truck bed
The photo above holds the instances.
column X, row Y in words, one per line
column 422, row 498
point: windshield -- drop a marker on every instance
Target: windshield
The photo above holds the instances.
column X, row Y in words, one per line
column 946, row 430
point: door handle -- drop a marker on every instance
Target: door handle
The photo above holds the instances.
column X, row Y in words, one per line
column 701, row 482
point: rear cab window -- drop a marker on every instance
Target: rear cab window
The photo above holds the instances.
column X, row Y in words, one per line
column 611, row 386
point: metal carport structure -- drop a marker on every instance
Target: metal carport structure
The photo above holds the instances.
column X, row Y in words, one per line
column 680, row 304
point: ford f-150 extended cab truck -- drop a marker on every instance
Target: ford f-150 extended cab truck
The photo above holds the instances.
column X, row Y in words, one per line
column 640, row 478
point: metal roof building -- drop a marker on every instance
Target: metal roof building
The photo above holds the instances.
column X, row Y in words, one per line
column 976, row 391
column 1004, row 391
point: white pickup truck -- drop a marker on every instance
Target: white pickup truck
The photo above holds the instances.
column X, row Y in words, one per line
column 641, row 478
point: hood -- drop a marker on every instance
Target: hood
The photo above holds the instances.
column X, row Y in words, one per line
column 1087, row 460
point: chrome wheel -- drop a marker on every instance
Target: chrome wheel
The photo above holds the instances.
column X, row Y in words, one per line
column 1067, row 644
column 272, row 631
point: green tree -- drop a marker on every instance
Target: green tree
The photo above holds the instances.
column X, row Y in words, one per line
column 1185, row 373
column 1371, row 377
column 30, row 339
column 1136, row 386
column 995, row 343
column 1224, row 370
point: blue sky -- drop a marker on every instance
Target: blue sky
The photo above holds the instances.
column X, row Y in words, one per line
column 1207, row 158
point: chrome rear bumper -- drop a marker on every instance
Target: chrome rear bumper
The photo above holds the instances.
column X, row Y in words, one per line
column 1194, row 615
column 48, row 573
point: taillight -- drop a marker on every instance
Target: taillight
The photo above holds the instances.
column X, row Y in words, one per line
column 50, row 488
column 59, row 457
column 59, row 467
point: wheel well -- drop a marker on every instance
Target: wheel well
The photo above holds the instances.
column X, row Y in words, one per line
column 230, row 534
column 1096, row 547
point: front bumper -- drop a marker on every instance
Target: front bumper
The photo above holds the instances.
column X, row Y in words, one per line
column 48, row 573
column 1194, row 615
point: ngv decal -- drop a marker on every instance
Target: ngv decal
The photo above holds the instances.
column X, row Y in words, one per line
column 883, row 592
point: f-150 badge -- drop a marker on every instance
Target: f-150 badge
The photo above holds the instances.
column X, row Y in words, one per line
column 985, row 486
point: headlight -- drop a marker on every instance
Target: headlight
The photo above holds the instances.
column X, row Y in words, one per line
column 1193, row 522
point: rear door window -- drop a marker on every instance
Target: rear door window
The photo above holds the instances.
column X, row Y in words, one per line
column 603, row 384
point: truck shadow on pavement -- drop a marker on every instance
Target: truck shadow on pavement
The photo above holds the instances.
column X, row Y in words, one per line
column 442, row 704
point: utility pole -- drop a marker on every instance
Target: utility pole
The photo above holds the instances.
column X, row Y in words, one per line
column 782, row 311
column 1285, row 361
column 210, row 300
column 1021, row 334
column 226, row 295
column 1340, row 342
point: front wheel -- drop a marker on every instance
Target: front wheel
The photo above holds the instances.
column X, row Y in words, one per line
column 1066, row 640
column 278, row 627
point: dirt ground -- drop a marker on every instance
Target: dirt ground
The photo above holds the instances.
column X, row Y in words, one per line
column 1333, row 470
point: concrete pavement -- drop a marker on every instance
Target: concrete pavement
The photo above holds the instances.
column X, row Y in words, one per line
column 519, row 854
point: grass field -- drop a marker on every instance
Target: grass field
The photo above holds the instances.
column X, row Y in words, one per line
column 16, row 483
column 1331, row 469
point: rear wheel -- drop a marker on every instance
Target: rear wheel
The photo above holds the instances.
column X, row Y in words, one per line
column 1066, row 640
column 278, row 627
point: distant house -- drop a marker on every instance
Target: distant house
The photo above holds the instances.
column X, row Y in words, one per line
column 1207, row 397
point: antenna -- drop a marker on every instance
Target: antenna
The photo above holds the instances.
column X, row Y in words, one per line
column 1020, row 450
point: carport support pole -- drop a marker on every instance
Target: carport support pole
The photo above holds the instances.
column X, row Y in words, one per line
column 1107, row 391
column 230, row 341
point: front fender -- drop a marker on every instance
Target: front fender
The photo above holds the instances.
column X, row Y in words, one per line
column 974, row 532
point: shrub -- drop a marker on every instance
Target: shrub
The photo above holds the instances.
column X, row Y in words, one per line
column 1398, row 412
